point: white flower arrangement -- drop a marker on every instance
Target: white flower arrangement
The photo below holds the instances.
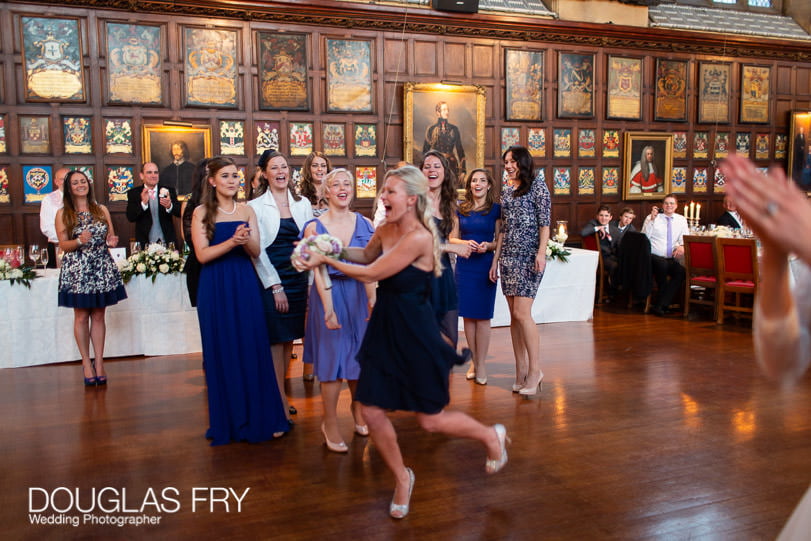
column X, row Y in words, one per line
column 152, row 261
column 556, row 250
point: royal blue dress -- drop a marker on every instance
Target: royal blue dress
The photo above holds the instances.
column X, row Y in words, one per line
column 477, row 294
column 88, row 277
column 243, row 397
column 290, row 325
column 333, row 352
column 404, row 361
column 443, row 296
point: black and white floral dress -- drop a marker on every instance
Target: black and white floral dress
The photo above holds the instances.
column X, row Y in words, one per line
column 89, row 277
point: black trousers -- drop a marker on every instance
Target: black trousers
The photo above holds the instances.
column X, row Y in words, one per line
column 669, row 276
column 52, row 255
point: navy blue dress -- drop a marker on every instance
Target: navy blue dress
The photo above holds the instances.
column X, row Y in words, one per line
column 243, row 398
column 443, row 296
column 477, row 294
column 404, row 361
column 289, row 326
column 88, row 277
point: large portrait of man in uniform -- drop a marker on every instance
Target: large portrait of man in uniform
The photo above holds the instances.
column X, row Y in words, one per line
column 448, row 118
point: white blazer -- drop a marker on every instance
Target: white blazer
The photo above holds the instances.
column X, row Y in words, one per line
column 268, row 218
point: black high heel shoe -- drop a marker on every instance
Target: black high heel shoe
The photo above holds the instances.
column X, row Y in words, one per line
column 101, row 380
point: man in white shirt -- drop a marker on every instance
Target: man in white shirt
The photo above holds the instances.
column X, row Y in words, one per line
column 666, row 230
column 47, row 214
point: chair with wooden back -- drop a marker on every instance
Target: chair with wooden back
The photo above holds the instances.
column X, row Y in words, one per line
column 737, row 274
column 592, row 242
column 701, row 273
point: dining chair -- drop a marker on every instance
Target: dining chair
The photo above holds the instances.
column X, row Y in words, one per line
column 701, row 273
column 592, row 242
column 737, row 275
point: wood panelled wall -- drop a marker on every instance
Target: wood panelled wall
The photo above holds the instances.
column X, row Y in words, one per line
column 424, row 46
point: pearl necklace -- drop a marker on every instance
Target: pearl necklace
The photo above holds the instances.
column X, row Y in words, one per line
column 233, row 210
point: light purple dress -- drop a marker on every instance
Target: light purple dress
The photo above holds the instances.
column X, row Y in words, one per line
column 333, row 352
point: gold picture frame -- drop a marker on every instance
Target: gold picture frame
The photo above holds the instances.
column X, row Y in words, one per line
column 647, row 176
column 193, row 141
column 799, row 152
column 465, row 118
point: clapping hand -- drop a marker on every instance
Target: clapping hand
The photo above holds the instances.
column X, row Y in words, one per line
column 241, row 235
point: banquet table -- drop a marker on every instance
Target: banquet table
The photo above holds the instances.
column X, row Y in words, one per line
column 566, row 292
column 155, row 319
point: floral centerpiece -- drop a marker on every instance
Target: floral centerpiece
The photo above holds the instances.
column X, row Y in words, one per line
column 154, row 260
column 556, row 250
column 323, row 244
column 12, row 269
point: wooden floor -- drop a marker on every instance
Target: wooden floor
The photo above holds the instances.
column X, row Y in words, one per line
column 647, row 428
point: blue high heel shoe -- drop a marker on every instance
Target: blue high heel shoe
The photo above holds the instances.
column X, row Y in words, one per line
column 91, row 382
column 101, row 380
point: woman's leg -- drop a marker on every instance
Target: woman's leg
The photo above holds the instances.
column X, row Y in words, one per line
column 329, row 397
column 98, row 331
column 462, row 425
column 482, row 341
column 470, row 336
column 81, row 332
column 521, row 314
column 280, row 366
column 519, row 347
column 357, row 409
column 385, row 439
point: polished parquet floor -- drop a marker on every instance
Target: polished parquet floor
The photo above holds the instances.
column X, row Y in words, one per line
column 647, row 428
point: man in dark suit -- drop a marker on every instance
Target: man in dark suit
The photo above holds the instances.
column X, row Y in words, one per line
column 151, row 207
column 624, row 224
column 730, row 218
column 608, row 233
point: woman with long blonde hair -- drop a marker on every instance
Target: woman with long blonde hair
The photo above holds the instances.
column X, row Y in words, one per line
column 405, row 362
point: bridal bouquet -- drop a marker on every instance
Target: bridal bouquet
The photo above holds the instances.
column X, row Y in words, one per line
column 556, row 250
column 323, row 244
column 155, row 259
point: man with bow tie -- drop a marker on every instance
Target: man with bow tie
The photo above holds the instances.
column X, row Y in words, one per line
column 151, row 207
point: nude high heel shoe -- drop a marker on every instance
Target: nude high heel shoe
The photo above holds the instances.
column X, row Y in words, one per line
column 334, row 447
column 471, row 372
column 532, row 390
column 494, row 466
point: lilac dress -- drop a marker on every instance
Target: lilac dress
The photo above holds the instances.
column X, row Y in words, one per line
column 333, row 351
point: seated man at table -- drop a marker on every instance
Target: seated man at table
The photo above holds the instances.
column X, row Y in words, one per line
column 623, row 224
column 665, row 230
column 730, row 218
column 151, row 207
column 607, row 233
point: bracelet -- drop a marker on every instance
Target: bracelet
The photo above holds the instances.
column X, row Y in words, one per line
column 280, row 289
column 79, row 241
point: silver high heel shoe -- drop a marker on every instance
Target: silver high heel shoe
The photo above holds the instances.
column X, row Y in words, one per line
column 494, row 466
column 531, row 391
column 400, row 511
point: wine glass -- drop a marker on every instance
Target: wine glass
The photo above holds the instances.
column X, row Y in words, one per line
column 43, row 256
column 20, row 253
column 135, row 247
column 171, row 247
column 33, row 253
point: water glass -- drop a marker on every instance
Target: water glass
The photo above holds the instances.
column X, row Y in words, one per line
column 135, row 247
column 44, row 257
column 171, row 247
column 20, row 253
column 33, row 253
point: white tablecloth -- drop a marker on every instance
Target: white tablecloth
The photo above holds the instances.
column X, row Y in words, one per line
column 566, row 292
column 155, row 319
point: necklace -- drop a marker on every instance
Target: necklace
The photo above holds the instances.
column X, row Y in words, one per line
column 233, row 210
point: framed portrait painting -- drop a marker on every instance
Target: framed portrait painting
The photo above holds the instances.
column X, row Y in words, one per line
column 349, row 76
column 176, row 150
column 211, row 60
column 647, row 165
column 134, row 64
column 446, row 118
column 670, row 95
column 755, row 92
column 575, row 85
column 799, row 152
column 624, row 93
column 713, row 92
column 282, row 70
column 52, row 59
column 523, row 71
